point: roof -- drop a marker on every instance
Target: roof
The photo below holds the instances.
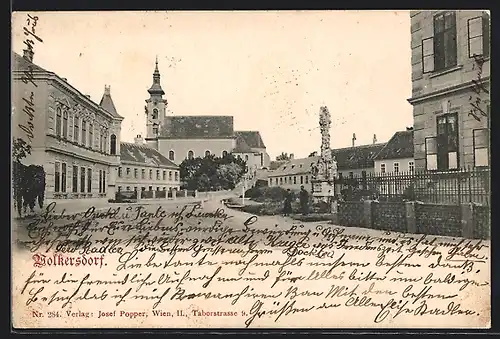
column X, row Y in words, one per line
column 357, row 157
column 20, row 63
column 398, row 147
column 107, row 103
column 143, row 154
column 294, row 167
column 241, row 145
column 252, row 138
column 197, row 127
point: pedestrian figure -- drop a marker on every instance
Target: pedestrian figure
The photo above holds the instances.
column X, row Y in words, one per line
column 287, row 209
column 304, row 200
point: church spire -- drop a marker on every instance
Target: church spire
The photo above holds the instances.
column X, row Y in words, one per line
column 156, row 87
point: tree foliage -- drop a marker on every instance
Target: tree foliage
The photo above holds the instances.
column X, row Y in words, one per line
column 283, row 156
column 211, row 172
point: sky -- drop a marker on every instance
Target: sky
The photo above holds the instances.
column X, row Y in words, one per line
column 271, row 70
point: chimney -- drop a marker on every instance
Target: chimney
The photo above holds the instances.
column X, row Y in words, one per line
column 374, row 139
column 353, row 139
column 87, row 95
column 291, row 156
column 107, row 90
column 409, row 128
column 28, row 54
column 138, row 140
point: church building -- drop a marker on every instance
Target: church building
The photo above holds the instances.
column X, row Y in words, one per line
column 190, row 136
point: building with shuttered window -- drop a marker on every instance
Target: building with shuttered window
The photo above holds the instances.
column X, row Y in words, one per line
column 450, row 57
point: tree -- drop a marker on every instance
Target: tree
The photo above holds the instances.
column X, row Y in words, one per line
column 20, row 149
column 313, row 154
column 283, row 156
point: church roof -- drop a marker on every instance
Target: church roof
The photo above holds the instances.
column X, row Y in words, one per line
column 197, row 127
column 252, row 138
column 156, row 86
column 241, row 145
column 398, row 147
column 144, row 155
column 107, row 103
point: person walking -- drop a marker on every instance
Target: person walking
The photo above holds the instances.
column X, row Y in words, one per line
column 287, row 209
column 304, row 200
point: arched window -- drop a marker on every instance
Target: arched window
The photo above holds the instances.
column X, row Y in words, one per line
column 113, row 144
column 65, row 124
column 155, row 113
column 171, row 155
column 224, row 154
column 58, row 121
column 190, row 155
column 207, row 153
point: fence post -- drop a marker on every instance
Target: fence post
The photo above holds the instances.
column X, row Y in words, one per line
column 367, row 213
column 467, row 212
column 185, row 193
column 195, row 193
column 411, row 220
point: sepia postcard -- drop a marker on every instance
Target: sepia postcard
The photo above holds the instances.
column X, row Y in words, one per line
column 251, row 169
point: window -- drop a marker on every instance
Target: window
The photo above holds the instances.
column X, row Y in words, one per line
column 290, row 180
column 100, row 181
column 481, row 142
column 150, row 188
column 285, row 180
column 171, row 155
column 128, row 188
column 176, row 176
column 151, row 174
column 340, row 176
column 207, row 153
column 119, row 172
column 157, row 174
column 82, row 180
column 307, row 179
column 84, row 133
column 164, row 175
column 89, row 180
column 281, row 181
column 135, row 173
column 261, row 159
column 157, row 188
column 75, row 179
column 119, row 188
column 128, row 171
column 155, row 129
column 170, row 175
column 276, row 181
column 65, row 124
column 478, row 32
column 431, row 153
column 190, row 155
column 63, row 177
column 301, row 179
column 246, row 157
column 295, row 180
column 143, row 173
column 447, row 141
column 155, row 113
column 270, row 182
column 91, row 135
column 351, row 175
column 104, row 181
column 57, row 177
column 382, row 168
column 411, row 166
column 105, row 142
column 58, row 121
column 396, row 167
column 76, row 130
column 440, row 51
column 224, row 154
column 113, row 144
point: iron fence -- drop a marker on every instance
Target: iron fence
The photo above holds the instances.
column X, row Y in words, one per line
column 465, row 185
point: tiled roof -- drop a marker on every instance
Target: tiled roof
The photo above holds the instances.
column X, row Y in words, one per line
column 144, row 155
column 398, row 147
column 108, row 104
column 357, row 157
column 294, row 167
column 241, row 145
column 20, row 63
column 197, row 127
column 252, row 138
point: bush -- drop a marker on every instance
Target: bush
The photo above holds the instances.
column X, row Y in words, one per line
column 265, row 193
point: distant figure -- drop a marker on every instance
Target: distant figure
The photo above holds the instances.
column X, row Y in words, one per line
column 287, row 209
column 304, row 200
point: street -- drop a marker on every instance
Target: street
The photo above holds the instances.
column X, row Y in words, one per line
column 200, row 258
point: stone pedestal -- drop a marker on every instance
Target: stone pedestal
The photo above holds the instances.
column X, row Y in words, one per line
column 322, row 189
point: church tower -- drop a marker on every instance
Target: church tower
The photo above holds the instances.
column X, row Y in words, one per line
column 156, row 106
